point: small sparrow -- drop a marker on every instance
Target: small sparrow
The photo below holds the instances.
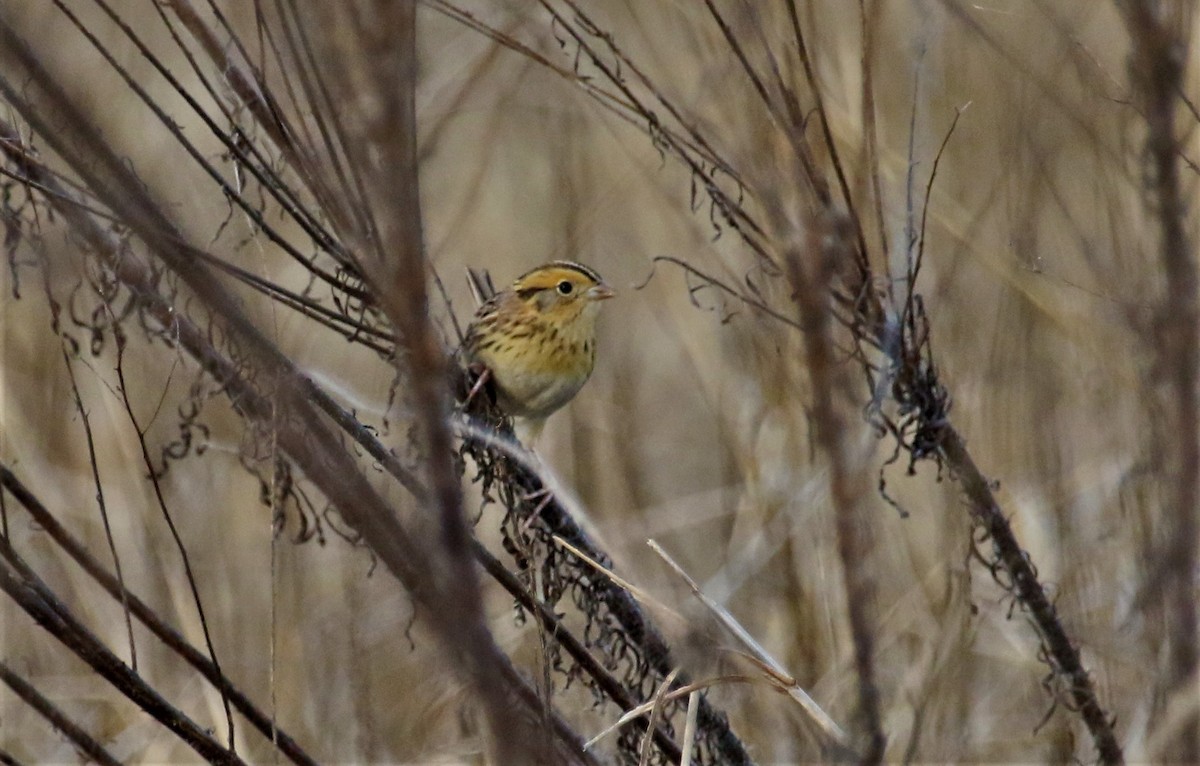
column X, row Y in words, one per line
column 536, row 341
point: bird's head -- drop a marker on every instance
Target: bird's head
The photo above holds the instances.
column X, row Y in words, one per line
column 562, row 290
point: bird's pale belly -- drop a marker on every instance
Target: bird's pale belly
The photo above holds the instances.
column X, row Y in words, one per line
column 527, row 392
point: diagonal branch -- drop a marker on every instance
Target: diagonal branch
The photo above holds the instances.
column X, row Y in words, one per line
column 142, row 611
column 20, row 582
column 57, row 718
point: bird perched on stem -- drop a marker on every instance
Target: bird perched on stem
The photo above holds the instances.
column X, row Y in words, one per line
column 536, row 341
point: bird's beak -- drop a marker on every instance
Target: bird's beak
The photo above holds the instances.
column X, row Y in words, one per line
column 600, row 292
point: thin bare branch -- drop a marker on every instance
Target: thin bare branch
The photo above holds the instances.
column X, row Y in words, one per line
column 83, row 741
column 29, row 592
column 49, row 524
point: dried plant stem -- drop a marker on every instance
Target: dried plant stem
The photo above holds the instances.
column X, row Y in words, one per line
column 398, row 275
column 811, row 281
column 692, row 687
column 1061, row 652
column 618, row 600
column 832, row 737
column 47, row 522
column 185, row 559
column 689, row 730
column 656, row 713
column 1159, row 51
column 20, row 582
column 100, row 502
column 83, row 741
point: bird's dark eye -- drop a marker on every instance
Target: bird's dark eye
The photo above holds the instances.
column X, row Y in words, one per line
column 565, row 288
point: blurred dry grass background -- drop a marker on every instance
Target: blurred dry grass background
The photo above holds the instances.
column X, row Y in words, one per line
column 1040, row 277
